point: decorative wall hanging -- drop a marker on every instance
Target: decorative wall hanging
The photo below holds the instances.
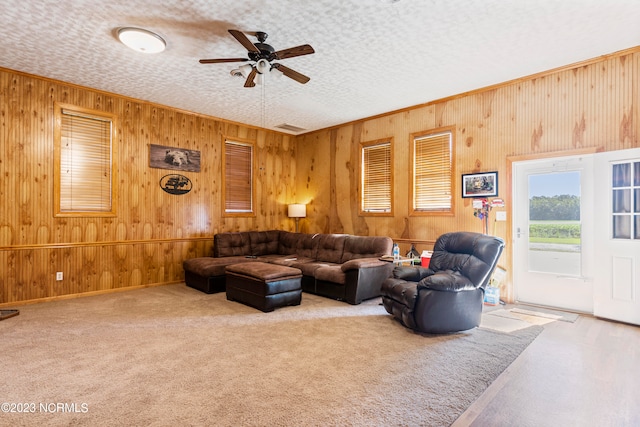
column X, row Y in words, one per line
column 174, row 158
column 176, row 184
column 480, row 184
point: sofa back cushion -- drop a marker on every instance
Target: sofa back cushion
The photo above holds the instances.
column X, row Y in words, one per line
column 301, row 244
column 231, row 244
column 264, row 242
column 330, row 247
column 366, row 247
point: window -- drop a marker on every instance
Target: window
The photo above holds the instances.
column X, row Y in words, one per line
column 238, row 178
column 376, row 185
column 85, row 166
column 626, row 200
column 432, row 180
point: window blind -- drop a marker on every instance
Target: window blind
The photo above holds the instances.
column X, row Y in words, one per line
column 85, row 163
column 238, row 177
column 376, row 178
column 432, row 170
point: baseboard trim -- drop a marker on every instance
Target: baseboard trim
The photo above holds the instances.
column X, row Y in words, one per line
column 85, row 294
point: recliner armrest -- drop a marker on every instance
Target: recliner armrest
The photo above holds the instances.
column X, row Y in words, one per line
column 447, row 280
column 412, row 274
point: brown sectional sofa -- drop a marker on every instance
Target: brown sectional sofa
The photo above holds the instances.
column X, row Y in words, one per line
column 339, row 266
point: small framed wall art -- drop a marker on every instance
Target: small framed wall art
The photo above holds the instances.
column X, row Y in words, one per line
column 174, row 158
column 480, row 184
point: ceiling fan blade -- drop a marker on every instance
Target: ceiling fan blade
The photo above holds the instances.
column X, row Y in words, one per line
column 244, row 41
column 304, row 49
column 292, row 74
column 218, row 61
column 250, row 79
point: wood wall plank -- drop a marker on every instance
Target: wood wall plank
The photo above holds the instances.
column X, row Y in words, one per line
column 153, row 231
column 590, row 105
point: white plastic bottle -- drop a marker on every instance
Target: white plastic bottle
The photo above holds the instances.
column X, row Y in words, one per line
column 396, row 252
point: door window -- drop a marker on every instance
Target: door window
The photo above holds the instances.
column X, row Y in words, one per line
column 554, row 223
column 626, row 200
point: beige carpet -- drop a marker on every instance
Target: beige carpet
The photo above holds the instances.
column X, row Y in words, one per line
column 171, row 355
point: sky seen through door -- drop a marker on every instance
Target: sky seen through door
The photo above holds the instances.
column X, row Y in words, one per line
column 555, row 184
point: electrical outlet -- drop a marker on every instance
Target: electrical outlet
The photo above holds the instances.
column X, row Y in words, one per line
column 501, row 216
column 59, row 275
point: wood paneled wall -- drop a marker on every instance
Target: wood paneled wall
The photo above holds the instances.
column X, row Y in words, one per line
column 153, row 231
column 589, row 105
column 592, row 104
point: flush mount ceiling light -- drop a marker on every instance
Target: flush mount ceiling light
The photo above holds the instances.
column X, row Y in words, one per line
column 141, row 40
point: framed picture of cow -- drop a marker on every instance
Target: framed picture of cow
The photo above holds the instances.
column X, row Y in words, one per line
column 164, row 157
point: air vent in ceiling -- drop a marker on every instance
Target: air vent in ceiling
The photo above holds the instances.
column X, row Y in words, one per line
column 290, row 128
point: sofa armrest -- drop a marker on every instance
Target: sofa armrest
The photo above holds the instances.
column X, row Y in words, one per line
column 357, row 263
column 447, row 280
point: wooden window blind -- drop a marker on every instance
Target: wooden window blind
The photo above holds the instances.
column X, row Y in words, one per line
column 432, row 172
column 238, row 178
column 376, row 175
column 84, row 157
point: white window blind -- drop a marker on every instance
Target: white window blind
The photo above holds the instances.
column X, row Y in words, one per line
column 376, row 178
column 432, row 172
column 238, row 174
column 86, row 163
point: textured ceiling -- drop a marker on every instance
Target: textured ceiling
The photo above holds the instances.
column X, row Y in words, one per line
column 372, row 56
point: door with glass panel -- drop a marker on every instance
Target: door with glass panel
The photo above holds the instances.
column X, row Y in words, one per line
column 553, row 232
column 617, row 278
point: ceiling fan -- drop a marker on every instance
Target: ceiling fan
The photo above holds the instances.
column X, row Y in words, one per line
column 262, row 54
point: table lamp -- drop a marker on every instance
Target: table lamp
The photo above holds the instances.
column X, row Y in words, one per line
column 297, row 211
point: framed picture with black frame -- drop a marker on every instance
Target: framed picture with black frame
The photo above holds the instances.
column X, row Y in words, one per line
column 483, row 184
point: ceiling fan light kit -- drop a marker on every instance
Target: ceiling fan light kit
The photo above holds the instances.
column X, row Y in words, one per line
column 141, row 40
column 262, row 55
column 246, row 70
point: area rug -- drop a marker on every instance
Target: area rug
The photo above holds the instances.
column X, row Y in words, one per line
column 171, row 355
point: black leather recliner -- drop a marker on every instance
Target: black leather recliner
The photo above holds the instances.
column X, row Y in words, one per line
column 448, row 296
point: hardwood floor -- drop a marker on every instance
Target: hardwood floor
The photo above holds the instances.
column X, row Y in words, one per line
column 585, row 373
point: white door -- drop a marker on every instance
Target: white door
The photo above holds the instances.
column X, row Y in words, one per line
column 617, row 213
column 553, row 229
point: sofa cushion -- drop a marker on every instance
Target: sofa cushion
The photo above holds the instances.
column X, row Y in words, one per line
column 264, row 242
column 288, row 260
column 330, row 247
column 331, row 273
column 287, row 243
column 366, row 247
column 299, row 244
column 311, row 268
column 231, row 244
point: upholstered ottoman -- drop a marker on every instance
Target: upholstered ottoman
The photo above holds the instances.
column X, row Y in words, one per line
column 263, row 286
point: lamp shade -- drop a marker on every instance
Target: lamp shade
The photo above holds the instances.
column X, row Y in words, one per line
column 246, row 70
column 263, row 66
column 297, row 210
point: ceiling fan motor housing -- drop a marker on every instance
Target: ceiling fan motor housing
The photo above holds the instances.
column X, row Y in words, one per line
column 266, row 52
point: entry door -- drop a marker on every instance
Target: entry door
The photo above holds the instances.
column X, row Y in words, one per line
column 553, row 232
column 617, row 278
